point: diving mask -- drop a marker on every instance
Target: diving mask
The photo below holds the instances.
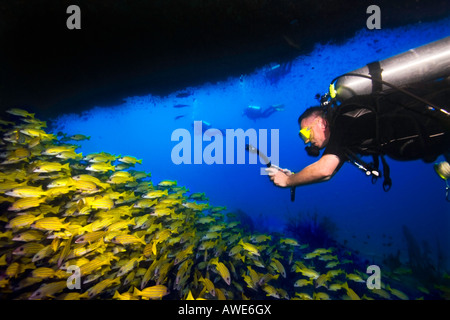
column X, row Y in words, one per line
column 306, row 133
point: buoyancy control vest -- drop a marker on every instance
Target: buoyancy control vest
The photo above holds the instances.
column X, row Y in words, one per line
column 402, row 130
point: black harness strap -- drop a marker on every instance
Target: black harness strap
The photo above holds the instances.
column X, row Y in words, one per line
column 376, row 164
column 387, row 182
column 375, row 72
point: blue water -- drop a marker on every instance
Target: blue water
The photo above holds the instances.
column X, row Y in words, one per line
column 364, row 214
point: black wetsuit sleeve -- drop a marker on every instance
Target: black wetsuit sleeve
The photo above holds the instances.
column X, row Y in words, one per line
column 342, row 130
column 335, row 145
column 353, row 130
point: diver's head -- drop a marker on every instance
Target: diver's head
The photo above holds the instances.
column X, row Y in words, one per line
column 314, row 128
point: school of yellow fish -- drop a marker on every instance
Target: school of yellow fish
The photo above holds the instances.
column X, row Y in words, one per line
column 67, row 217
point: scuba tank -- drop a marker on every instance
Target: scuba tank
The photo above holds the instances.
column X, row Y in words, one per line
column 425, row 63
column 430, row 62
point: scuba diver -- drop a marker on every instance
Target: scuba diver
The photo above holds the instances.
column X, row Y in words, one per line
column 366, row 114
column 202, row 127
column 256, row 112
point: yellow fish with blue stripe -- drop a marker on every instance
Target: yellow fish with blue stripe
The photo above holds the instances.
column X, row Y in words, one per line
column 50, row 224
column 250, row 248
column 128, row 239
column 48, row 290
column 23, row 221
column 20, row 112
column 50, row 167
column 154, row 292
column 26, row 192
column 223, row 271
column 134, row 238
column 129, row 159
column 101, row 167
column 26, row 203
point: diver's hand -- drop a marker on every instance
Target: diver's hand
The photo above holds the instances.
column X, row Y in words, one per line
column 287, row 172
column 279, row 176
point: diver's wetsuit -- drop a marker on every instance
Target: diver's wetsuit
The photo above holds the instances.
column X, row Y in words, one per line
column 399, row 133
